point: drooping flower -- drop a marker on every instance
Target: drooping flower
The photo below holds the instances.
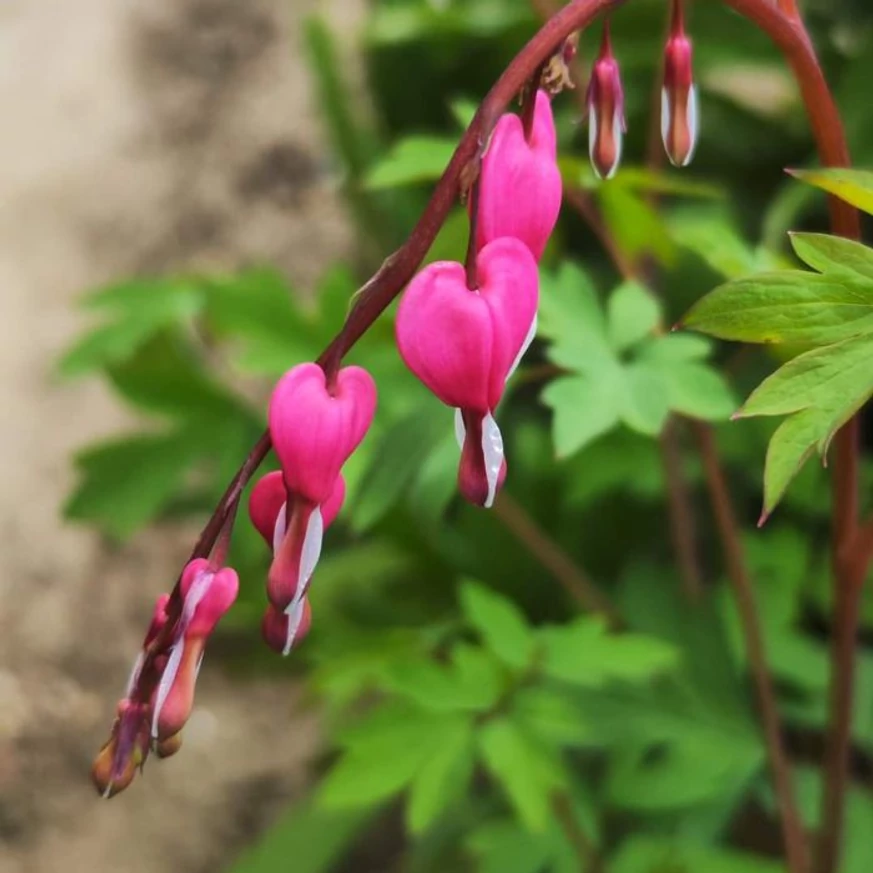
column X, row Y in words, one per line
column 126, row 750
column 315, row 428
column 606, row 120
column 207, row 594
column 679, row 101
column 520, row 185
column 296, row 544
column 463, row 345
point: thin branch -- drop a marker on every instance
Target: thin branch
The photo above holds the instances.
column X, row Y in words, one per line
column 568, row 573
column 729, row 533
column 683, row 528
column 562, row 807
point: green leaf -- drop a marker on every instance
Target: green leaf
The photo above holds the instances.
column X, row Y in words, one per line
column 506, row 848
column 855, row 187
column 571, row 317
column 823, row 388
column 398, row 458
column 383, row 755
column 633, row 314
column 584, row 654
column 549, row 714
column 165, row 376
column 635, row 225
column 500, row 623
column 413, row 160
column 316, row 839
column 698, row 391
column 646, row 854
column 645, row 402
column 443, row 778
column 791, row 306
column 126, row 483
column 521, row 768
column 834, row 255
column 584, row 408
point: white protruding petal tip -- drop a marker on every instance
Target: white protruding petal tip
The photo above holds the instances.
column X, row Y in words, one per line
column 493, row 454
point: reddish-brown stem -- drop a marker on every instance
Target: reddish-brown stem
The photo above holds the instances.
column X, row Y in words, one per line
column 471, row 271
column 729, row 533
column 573, row 579
column 683, row 528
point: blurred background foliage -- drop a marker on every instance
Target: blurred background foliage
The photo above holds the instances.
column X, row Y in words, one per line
column 481, row 712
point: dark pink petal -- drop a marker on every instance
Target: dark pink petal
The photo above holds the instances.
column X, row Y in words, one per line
column 679, row 109
column 520, row 187
column 606, row 122
column 315, row 430
column 282, row 630
column 444, row 334
column 483, row 467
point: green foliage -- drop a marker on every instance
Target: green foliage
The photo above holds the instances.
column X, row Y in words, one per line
column 621, row 370
column 501, row 729
column 829, row 314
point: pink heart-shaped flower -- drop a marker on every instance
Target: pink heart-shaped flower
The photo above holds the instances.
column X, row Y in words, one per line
column 463, row 344
column 520, row 186
column 315, row 428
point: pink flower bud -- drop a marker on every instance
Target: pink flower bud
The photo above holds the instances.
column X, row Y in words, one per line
column 281, row 630
column 606, row 122
column 116, row 764
column 465, row 344
column 679, row 105
column 520, row 185
column 207, row 594
column 316, row 427
column 297, row 555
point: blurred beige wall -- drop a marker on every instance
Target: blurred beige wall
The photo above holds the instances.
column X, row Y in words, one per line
column 137, row 137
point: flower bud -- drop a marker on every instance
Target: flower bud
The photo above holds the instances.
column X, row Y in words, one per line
column 207, row 594
column 316, row 427
column 679, row 103
column 520, row 186
column 126, row 750
column 606, row 121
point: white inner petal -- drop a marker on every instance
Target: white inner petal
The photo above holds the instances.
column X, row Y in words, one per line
column 665, row 120
column 592, row 137
column 311, row 550
column 294, row 611
column 693, row 123
column 460, row 430
column 492, row 452
column 134, row 674
column 279, row 528
column 618, row 135
column 532, row 332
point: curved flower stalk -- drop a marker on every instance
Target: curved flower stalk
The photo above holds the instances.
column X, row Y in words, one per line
column 520, row 186
column 463, row 344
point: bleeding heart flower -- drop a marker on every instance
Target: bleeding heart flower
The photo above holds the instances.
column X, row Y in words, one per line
column 520, row 184
column 207, row 594
column 316, row 427
column 679, row 103
column 465, row 344
column 606, row 121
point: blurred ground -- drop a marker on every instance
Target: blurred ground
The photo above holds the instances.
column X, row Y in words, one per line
column 137, row 136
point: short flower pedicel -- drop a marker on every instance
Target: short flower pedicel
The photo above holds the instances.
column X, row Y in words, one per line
column 606, row 121
column 315, row 427
column 516, row 167
column 679, row 103
column 464, row 344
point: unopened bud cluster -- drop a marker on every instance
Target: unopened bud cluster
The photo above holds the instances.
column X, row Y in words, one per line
column 679, row 105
